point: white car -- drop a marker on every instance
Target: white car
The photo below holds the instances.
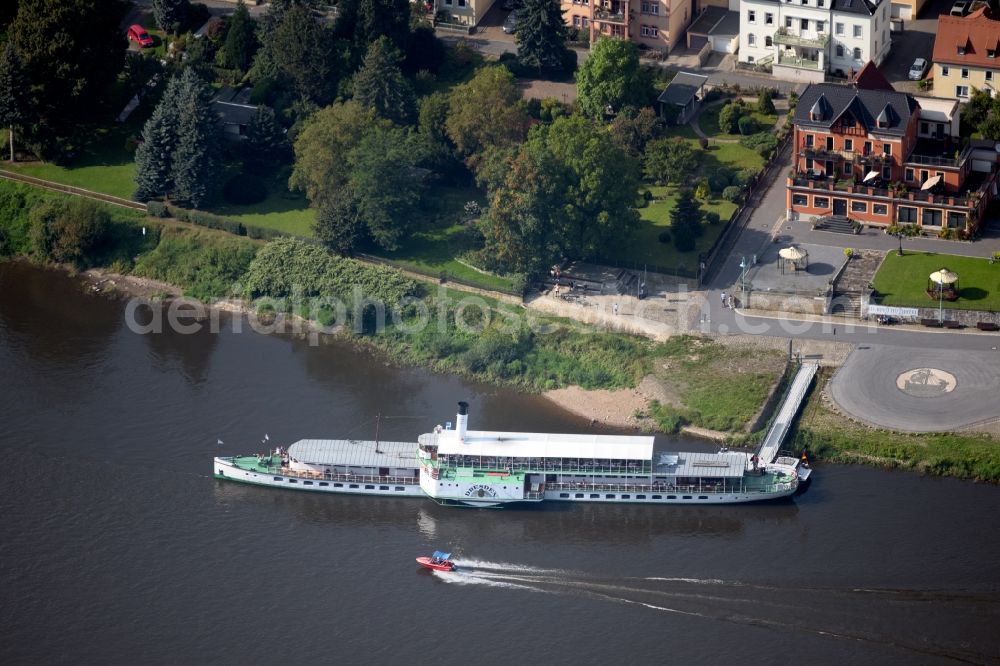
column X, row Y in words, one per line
column 960, row 8
column 510, row 24
column 917, row 69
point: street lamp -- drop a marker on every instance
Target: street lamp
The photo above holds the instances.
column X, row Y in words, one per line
column 743, row 277
column 899, row 235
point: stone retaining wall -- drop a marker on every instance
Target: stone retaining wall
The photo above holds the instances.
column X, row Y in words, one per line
column 965, row 317
column 775, row 301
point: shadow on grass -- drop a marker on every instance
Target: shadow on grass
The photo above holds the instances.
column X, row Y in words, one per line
column 973, row 294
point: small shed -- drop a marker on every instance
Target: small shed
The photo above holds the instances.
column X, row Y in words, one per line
column 717, row 27
column 682, row 96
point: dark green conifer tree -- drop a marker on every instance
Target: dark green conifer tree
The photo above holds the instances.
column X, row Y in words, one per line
column 193, row 164
column 15, row 97
column 541, row 35
column 380, row 85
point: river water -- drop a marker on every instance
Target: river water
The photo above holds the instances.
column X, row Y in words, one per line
column 118, row 546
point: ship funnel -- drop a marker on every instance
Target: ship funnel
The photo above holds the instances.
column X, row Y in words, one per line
column 462, row 421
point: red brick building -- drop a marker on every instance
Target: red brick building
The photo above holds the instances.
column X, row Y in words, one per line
column 881, row 157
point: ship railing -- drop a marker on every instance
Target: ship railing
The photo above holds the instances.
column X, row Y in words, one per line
column 534, row 495
column 351, row 478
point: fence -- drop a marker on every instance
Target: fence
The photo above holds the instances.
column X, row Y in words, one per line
column 69, row 189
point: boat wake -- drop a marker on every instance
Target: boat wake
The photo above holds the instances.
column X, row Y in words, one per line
column 852, row 614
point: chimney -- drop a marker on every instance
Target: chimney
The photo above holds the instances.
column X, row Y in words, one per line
column 462, row 421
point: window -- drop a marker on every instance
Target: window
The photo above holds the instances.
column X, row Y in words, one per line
column 965, row 72
column 788, row 21
column 820, row 26
column 768, row 41
column 640, row 497
column 804, row 23
column 461, row 3
column 924, row 175
column 576, row 21
column 887, row 149
column 653, row 31
column 752, row 39
column 829, row 143
column 907, row 215
column 809, row 140
column 838, row 28
column 876, row 46
column 563, row 495
column 751, row 16
column 847, row 168
column 908, row 175
column 991, row 53
column 292, row 481
column 706, row 496
column 821, row 202
column 800, row 200
column 338, row 485
column 277, row 478
column 859, row 207
column 989, row 75
column 809, row 163
column 750, row 58
column 353, row 485
column 324, row 483
column 924, row 128
column 595, row 496
column 955, row 220
column 657, row 496
column 944, row 70
column 961, row 50
column 887, row 172
column 400, row 489
column 857, row 31
column 447, row 2
column 768, row 18
column 961, row 91
column 840, row 50
column 857, row 53
column 848, row 144
column 609, row 496
column 579, row 496
column 654, row 8
column 880, row 209
column 932, row 218
column 307, row 483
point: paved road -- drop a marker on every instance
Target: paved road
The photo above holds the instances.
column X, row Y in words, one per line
column 869, row 386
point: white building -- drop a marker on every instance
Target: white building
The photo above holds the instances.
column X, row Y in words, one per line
column 801, row 40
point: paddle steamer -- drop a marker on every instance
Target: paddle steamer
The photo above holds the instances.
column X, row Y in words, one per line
column 458, row 466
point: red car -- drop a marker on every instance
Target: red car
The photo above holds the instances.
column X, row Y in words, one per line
column 138, row 34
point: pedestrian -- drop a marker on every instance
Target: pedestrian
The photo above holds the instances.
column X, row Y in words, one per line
column 723, row 296
column 614, row 309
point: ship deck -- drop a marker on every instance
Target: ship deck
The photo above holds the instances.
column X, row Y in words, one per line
column 272, row 465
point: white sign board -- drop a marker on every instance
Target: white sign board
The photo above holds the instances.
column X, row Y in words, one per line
column 889, row 311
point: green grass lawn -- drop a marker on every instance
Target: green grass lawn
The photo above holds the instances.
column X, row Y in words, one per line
column 104, row 165
column 902, row 281
column 709, row 121
column 645, row 246
column 282, row 210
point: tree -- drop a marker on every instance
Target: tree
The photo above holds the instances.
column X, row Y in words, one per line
column 729, row 117
column 15, row 100
column 265, row 143
column 982, row 112
column 193, row 164
column 632, row 131
column 670, row 160
column 306, row 54
column 72, row 52
column 610, row 78
column 486, row 111
column 339, row 225
column 764, row 102
column 685, row 221
column 327, row 137
column 541, row 35
column 568, row 191
column 362, row 22
column 241, row 40
column 379, row 84
column 154, row 155
column 170, row 15
column 68, row 231
column 386, row 182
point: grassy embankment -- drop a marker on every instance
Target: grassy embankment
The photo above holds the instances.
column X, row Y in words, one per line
column 835, row 438
column 902, row 281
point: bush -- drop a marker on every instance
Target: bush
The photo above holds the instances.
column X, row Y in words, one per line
column 712, row 218
column 262, row 233
column 733, row 194
column 746, row 125
column 69, row 230
column 703, row 191
column 729, row 117
column 744, row 177
column 244, row 189
column 703, row 142
column 764, row 102
column 663, row 236
column 156, row 208
column 763, row 142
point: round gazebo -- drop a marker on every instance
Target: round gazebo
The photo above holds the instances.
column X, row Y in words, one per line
column 797, row 257
column 943, row 285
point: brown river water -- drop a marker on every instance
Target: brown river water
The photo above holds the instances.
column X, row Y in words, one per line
column 118, row 546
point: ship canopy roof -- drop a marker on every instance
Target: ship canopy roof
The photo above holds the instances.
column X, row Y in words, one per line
column 541, row 445
column 438, row 555
column 731, row 464
column 354, row 453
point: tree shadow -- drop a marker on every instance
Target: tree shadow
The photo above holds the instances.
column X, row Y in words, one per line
column 973, row 294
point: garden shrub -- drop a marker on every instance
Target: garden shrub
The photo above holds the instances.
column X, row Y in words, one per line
column 156, row 208
column 663, row 236
column 712, row 218
column 746, row 125
column 733, row 194
column 762, row 142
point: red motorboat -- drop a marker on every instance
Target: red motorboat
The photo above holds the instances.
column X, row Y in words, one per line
column 438, row 561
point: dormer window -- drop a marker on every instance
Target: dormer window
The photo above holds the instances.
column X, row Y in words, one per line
column 961, row 50
column 991, row 53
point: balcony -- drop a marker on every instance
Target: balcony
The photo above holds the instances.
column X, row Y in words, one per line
column 801, row 63
column 969, row 199
column 783, row 37
column 942, row 160
column 607, row 16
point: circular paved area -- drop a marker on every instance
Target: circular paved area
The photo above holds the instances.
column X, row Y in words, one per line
column 919, row 390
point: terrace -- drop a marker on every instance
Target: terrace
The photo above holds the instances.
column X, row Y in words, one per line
column 783, row 37
column 973, row 190
column 795, row 61
column 934, row 153
column 616, row 13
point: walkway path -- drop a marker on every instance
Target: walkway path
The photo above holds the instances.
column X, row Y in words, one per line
column 695, row 125
column 775, row 436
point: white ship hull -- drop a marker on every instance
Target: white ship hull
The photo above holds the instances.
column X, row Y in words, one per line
column 224, row 469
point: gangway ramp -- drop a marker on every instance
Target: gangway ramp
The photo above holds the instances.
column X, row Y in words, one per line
column 776, row 433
